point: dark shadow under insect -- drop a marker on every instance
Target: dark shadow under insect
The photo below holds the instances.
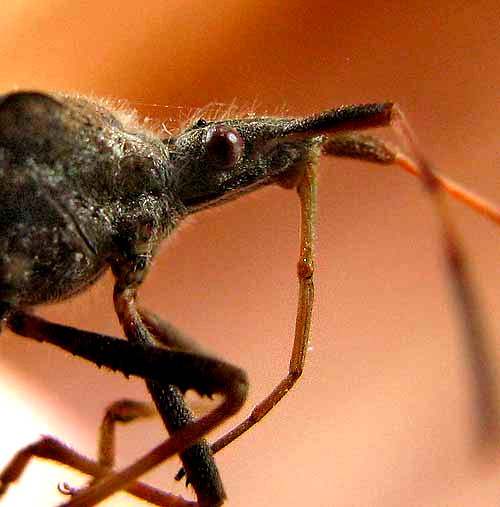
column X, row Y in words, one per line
column 82, row 191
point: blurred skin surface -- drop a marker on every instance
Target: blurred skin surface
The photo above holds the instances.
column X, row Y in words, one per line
column 383, row 415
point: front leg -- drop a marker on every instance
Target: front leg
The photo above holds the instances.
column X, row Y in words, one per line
column 198, row 461
column 52, row 449
column 186, row 370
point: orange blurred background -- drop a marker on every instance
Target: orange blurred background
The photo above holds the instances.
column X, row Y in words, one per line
column 383, row 415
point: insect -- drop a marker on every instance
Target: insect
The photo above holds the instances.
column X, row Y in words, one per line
column 83, row 191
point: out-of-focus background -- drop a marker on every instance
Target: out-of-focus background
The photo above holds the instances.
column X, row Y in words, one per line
column 384, row 414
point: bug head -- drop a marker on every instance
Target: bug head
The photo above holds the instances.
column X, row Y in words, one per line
column 218, row 160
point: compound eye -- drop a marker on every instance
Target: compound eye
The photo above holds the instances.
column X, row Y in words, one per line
column 224, row 145
column 200, row 123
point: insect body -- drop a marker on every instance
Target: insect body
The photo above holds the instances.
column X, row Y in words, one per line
column 83, row 191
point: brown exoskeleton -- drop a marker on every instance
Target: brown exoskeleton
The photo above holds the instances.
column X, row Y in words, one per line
column 82, row 191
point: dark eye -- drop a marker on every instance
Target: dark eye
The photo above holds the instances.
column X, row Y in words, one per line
column 201, row 122
column 224, row 145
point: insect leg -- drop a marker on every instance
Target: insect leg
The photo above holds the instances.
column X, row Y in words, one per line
column 197, row 460
column 169, row 336
column 186, row 370
column 122, row 411
column 52, row 449
column 166, row 334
